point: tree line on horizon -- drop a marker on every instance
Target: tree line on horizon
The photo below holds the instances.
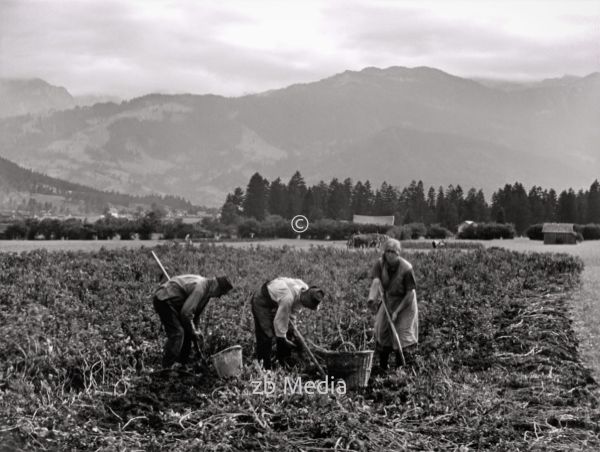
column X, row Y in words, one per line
column 340, row 200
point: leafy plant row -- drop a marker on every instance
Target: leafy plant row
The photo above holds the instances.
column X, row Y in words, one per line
column 497, row 367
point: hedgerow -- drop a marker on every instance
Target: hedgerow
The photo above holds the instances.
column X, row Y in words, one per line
column 487, row 231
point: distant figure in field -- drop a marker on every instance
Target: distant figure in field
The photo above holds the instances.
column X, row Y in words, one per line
column 393, row 284
column 372, row 240
column 438, row 244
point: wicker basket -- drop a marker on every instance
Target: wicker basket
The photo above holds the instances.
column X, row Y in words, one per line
column 353, row 367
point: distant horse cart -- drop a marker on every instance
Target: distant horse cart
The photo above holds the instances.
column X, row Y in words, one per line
column 366, row 240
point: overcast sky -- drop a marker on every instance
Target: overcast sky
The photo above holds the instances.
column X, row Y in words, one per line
column 133, row 47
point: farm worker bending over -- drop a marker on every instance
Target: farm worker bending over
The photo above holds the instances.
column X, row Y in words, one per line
column 179, row 303
column 394, row 282
column 273, row 306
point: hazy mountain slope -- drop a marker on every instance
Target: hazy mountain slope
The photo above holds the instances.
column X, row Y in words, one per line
column 20, row 97
column 18, row 185
column 433, row 126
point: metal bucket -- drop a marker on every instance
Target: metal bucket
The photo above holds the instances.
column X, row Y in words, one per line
column 228, row 362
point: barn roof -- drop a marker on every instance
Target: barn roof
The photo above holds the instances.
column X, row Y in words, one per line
column 367, row 219
column 564, row 228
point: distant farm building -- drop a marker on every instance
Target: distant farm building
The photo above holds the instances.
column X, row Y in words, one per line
column 559, row 233
column 367, row 219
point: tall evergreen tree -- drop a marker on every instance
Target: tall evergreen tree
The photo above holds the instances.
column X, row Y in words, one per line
column 360, row 203
column 593, row 203
column 412, row 203
column 320, row 194
column 481, row 208
column 346, row 213
column 232, row 208
column 453, row 198
column 430, row 215
column 567, row 206
column 536, row 205
column 581, row 202
column 278, row 204
column 389, row 197
column 499, row 202
column 229, row 213
column 338, row 204
column 420, row 203
column 370, row 196
column 500, row 215
column 296, row 190
column 309, row 206
column 551, row 205
column 255, row 202
column 470, row 205
column 238, row 197
column 518, row 211
column 440, row 207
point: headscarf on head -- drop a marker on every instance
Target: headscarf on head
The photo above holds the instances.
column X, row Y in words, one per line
column 386, row 269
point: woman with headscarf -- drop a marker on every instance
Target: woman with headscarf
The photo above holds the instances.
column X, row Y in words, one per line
column 393, row 284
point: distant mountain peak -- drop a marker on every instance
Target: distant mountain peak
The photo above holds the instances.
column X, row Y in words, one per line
column 26, row 96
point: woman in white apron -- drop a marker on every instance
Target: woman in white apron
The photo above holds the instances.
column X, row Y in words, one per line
column 393, row 284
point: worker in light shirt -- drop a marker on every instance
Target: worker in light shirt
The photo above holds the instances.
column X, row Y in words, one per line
column 273, row 306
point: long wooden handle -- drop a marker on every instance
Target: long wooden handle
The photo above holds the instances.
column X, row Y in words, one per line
column 305, row 346
column 393, row 327
column 160, row 265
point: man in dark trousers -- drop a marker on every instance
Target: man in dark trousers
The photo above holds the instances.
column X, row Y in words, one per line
column 273, row 306
column 179, row 303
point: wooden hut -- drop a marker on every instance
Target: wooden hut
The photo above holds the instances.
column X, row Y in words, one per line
column 559, row 233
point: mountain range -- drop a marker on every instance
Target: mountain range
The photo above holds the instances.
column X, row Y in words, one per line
column 395, row 124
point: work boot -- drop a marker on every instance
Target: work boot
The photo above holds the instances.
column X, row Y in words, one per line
column 384, row 357
column 398, row 357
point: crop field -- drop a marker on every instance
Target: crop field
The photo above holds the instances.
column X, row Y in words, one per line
column 585, row 302
column 17, row 246
column 497, row 368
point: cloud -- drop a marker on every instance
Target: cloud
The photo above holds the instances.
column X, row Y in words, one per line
column 471, row 44
column 134, row 47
